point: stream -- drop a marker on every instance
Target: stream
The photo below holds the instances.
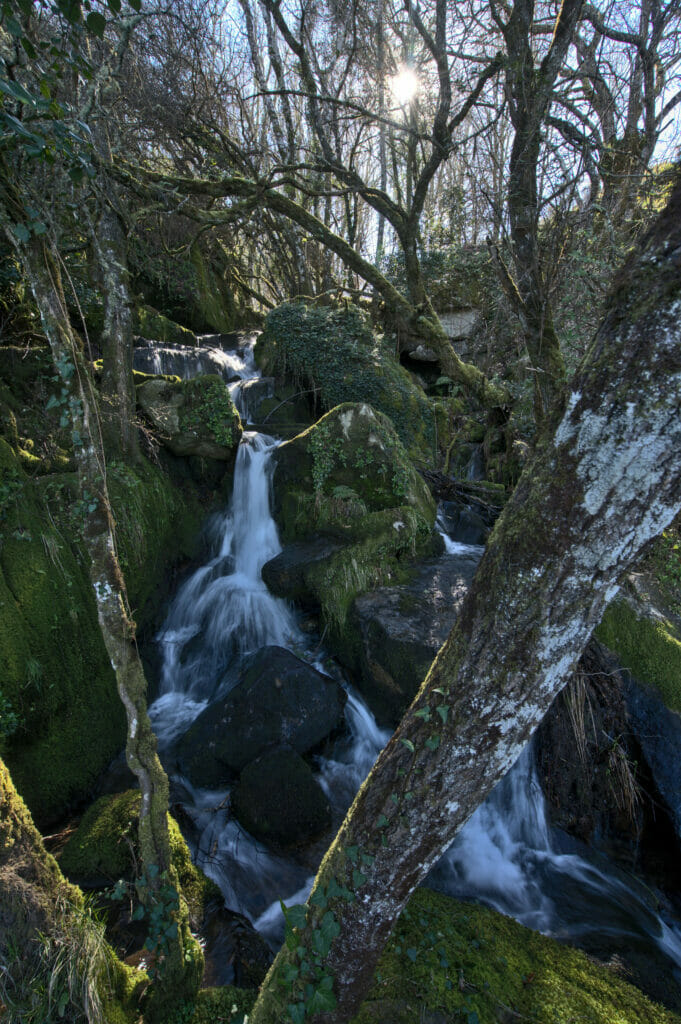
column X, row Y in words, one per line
column 507, row 855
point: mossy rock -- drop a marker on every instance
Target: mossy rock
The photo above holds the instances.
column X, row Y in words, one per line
column 336, row 352
column 154, row 326
column 649, row 647
column 349, row 477
column 193, row 417
column 62, row 718
column 451, row 961
column 102, row 850
column 55, row 960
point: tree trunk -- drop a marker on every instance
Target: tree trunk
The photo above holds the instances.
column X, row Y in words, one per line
column 605, row 479
column 183, row 961
column 118, row 390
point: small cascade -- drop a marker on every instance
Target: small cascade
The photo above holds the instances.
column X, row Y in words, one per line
column 187, row 361
column 508, row 856
column 224, row 610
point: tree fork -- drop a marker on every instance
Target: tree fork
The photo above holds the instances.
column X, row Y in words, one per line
column 605, row 479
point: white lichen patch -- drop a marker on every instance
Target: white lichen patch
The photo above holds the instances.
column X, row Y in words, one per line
column 345, row 420
column 103, row 591
column 399, row 525
column 375, row 439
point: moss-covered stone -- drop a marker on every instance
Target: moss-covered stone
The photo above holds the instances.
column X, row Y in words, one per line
column 450, row 961
column 56, row 964
column 349, row 477
column 151, row 324
column 193, row 417
column 648, row 647
column 467, row 962
column 103, row 849
column 336, row 352
column 57, row 688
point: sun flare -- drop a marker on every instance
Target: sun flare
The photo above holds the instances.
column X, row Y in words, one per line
column 404, row 85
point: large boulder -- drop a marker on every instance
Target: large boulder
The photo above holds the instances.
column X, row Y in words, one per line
column 393, row 633
column 334, row 352
column 278, row 700
column 279, row 801
column 349, row 478
column 193, row 417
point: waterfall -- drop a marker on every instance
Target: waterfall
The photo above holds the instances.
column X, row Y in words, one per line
column 507, row 855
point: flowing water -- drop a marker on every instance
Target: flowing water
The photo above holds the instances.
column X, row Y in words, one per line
column 507, row 855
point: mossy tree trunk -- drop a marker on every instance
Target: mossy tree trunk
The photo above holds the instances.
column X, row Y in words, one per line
column 118, row 390
column 605, row 478
column 183, row 961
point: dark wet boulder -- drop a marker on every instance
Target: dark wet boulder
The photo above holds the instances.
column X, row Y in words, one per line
column 291, row 573
column 279, row 801
column 394, row 633
column 279, row 699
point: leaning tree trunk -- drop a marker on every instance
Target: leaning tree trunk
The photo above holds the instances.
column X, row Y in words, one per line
column 180, row 960
column 605, row 479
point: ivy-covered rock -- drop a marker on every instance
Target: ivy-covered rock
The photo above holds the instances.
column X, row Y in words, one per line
column 193, row 417
column 349, row 478
column 334, row 351
column 279, row 801
column 279, row 699
column 104, row 848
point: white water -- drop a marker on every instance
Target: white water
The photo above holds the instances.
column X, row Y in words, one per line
column 504, row 856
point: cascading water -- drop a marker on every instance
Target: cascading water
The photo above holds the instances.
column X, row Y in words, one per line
column 506, row 855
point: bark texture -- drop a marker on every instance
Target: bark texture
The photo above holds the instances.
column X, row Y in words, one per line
column 605, row 479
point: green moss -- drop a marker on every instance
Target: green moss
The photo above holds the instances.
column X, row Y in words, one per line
column 335, row 351
column 56, row 678
column 226, row 1004
column 101, row 849
column 151, row 324
column 648, row 647
column 152, row 518
column 208, row 409
column 463, row 960
column 349, row 477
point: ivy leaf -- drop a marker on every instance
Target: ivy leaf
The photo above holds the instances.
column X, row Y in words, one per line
column 358, row 879
column 433, row 742
column 136, row 5
column 333, row 890
column 408, row 744
column 295, row 915
column 352, row 853
column 296, row 1012
column 114, row 6
column 96, row 23
column 382, row 821
column 423, row 713
column 323, row 1000
column 443, row 711
column 412, row 953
